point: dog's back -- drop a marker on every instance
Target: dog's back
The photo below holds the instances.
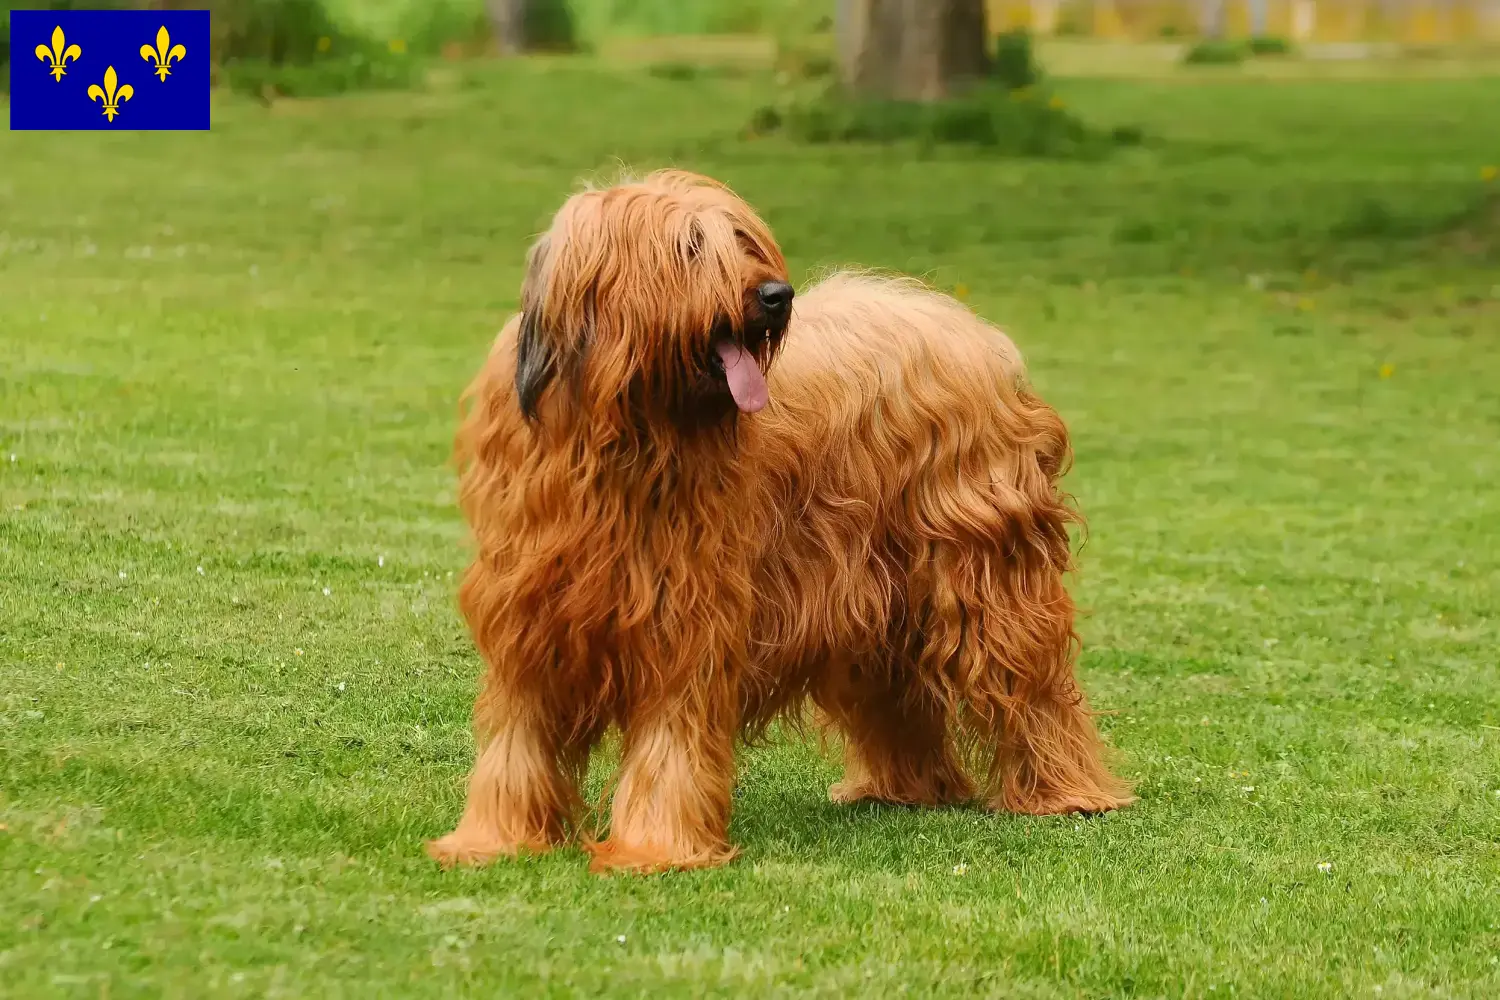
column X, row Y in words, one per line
column 887, row 371
column 890, row 330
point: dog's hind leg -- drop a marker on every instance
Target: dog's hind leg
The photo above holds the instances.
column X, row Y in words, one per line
column 897, row 746
column 1008, row 634
column 999, row 633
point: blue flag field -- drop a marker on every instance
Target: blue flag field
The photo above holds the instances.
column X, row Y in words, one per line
column 109, row 69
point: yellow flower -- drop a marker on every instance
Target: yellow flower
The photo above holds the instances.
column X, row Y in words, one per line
column 1489, row 173
column 1056, row 102
column 961, row 291
column 1305, row 304
column 325, row 43
column 1387, row 370
column 398, row 45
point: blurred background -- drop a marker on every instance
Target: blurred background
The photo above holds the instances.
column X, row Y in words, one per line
column 1219, row 31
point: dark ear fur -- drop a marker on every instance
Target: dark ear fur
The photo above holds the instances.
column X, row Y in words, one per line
column 536, row 354
column 536, row 364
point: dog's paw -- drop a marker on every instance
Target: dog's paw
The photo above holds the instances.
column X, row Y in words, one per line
column 1062, row 803
column 952, row 791
column 848, row 792
column 614, row 856
column 463, row 849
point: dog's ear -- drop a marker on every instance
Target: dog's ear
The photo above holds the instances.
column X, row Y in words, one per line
column 536, row 351
column 536, row 362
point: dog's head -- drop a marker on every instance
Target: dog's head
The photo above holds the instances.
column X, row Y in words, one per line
column 660, row 299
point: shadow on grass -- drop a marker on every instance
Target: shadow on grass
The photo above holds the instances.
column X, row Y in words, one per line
column 312, row 810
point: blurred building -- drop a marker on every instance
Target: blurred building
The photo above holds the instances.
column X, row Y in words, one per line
column 1409, row 22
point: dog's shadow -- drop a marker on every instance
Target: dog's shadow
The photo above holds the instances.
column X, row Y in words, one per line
column 782, row 815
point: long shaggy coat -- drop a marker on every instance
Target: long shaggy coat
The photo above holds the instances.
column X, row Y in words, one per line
column 698, row 507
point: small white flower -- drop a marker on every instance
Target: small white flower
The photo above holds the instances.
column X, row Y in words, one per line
column 960, row 868
column 1325, row 867
column 341, row 685
column 380, row 561
column 1198, row 780
column 200, row 570
column 95, row 899
column 122, row 574
column 326, row 591
column 1247, row 788
column 620, row 938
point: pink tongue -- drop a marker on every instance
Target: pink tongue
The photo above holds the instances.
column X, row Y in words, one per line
column 746, row 383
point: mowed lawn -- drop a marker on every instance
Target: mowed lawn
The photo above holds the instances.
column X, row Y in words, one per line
column 234, row 690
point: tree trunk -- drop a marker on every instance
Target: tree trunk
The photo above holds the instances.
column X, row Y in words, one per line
column 1259, row 18
column 1211, row 18
column 508, row 23
column 911, row 50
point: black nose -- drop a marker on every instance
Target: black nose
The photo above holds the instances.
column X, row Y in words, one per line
column 775, row 297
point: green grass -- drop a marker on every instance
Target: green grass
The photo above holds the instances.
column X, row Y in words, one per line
column 234, row 691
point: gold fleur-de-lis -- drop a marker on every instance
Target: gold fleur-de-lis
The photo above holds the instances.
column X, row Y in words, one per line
column 111, row 96
column 59, row 54
column 163, row 54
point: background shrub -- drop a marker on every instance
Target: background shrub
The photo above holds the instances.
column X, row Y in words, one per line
column 1014, row 65
column 1215, row 52
column 994, row 119
column 1269, row 45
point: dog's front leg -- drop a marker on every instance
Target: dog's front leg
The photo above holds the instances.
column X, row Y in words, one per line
column 671, row 808
column 522, row 792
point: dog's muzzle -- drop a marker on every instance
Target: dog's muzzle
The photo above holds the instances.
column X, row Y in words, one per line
column 775, row 298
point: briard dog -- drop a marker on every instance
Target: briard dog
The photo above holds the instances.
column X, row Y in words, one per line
column 699, row 507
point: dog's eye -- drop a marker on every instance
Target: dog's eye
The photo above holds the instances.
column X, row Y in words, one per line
column 749, row 246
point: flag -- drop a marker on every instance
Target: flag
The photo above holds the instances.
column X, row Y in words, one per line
column 109, row 69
